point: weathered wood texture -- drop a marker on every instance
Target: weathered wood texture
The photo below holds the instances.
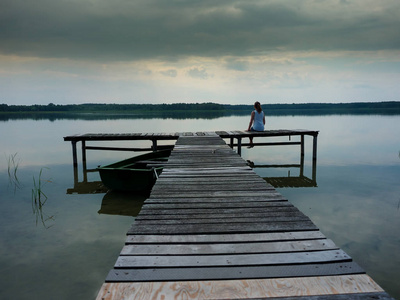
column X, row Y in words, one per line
column 326, row 287
column 213, row 229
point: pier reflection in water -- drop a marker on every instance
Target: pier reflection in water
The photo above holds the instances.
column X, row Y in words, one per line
column 114, row 202
column 289, row 181
column 122, row 203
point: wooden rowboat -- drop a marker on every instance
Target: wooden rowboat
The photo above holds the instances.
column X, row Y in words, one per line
column 137, row 173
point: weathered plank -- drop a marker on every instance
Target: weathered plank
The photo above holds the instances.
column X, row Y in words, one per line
column 237, row 211
column 225, row 238
column 205, row 175
column 236, row 248
column 266, row 206
column 210, row 170
column 229, row 180
column 242, row 289
column 212, row 218
column 268, row 197
column 216, row 220
column 359, row 296
column 163, row 180
column 222, row 228
column 182, row 261
column 205, row 193
column 218, row 273
column 250, row 186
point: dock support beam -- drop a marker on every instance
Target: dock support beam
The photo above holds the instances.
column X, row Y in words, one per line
column 84, row 161
column 302, row 156
column 239, row 146
column 74, row 155
column 314, row 158
column 74, row 161
column 154, row 147
column 315, row 147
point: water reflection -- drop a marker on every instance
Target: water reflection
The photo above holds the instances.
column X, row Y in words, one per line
column 39, row 199
column 289, row 181
column 86, row 187
column 122, row 203
column 12, row 168
column 114, row 202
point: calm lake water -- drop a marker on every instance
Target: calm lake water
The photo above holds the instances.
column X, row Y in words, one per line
column 65, row 248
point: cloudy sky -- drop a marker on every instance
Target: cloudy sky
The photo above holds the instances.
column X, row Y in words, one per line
column 165, row 51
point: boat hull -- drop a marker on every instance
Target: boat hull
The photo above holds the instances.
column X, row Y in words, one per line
column 133, row 175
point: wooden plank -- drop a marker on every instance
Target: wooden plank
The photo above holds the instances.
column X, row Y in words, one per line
column 210, row 182
column 205, row 175
column 241, row 289
column 211, row 170
column 224, row 238
column 162, row 180
column 210, row 156
column 194, row 218
column 216, row 205
column 271, row 196
column 236, row 248
column 230, row 207
column 231, row 260
column 194, row 188
column 206, row 193
column 237, row 211
column 220, row 220
column 229, row 218
column 359, row 296
column 218, row 273
column 199, row 161
column 222, row 228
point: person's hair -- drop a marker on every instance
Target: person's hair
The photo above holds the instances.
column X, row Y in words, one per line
column 257, row 106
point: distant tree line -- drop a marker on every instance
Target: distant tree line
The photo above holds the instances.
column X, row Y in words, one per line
column 389, row 107
column 96, row 107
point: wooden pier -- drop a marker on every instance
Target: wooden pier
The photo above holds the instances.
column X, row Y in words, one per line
column 213, row 229
column 235, row 139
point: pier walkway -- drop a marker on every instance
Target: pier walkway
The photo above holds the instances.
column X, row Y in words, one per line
column 213, row 229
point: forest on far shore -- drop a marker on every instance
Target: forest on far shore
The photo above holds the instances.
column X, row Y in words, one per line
column 388, row 107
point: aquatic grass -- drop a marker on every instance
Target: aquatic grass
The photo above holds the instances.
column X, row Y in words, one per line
column 39, row 199
column 12, row 169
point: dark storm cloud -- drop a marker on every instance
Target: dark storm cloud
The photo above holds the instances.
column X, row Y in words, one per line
column 131, row 30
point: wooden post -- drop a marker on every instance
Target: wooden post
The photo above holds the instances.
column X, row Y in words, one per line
column 74, row 161
column 315, row 147
column 239, row 146
column 314, row 162
column 74, row 156
column 231, row 145
column 154, row 147
column 302, row 155
column 84, row 168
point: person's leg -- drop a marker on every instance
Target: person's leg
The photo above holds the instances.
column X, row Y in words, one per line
column 251, row 142
column 251, row 139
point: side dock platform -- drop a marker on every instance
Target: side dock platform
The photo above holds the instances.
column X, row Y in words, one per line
column 213, row 229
